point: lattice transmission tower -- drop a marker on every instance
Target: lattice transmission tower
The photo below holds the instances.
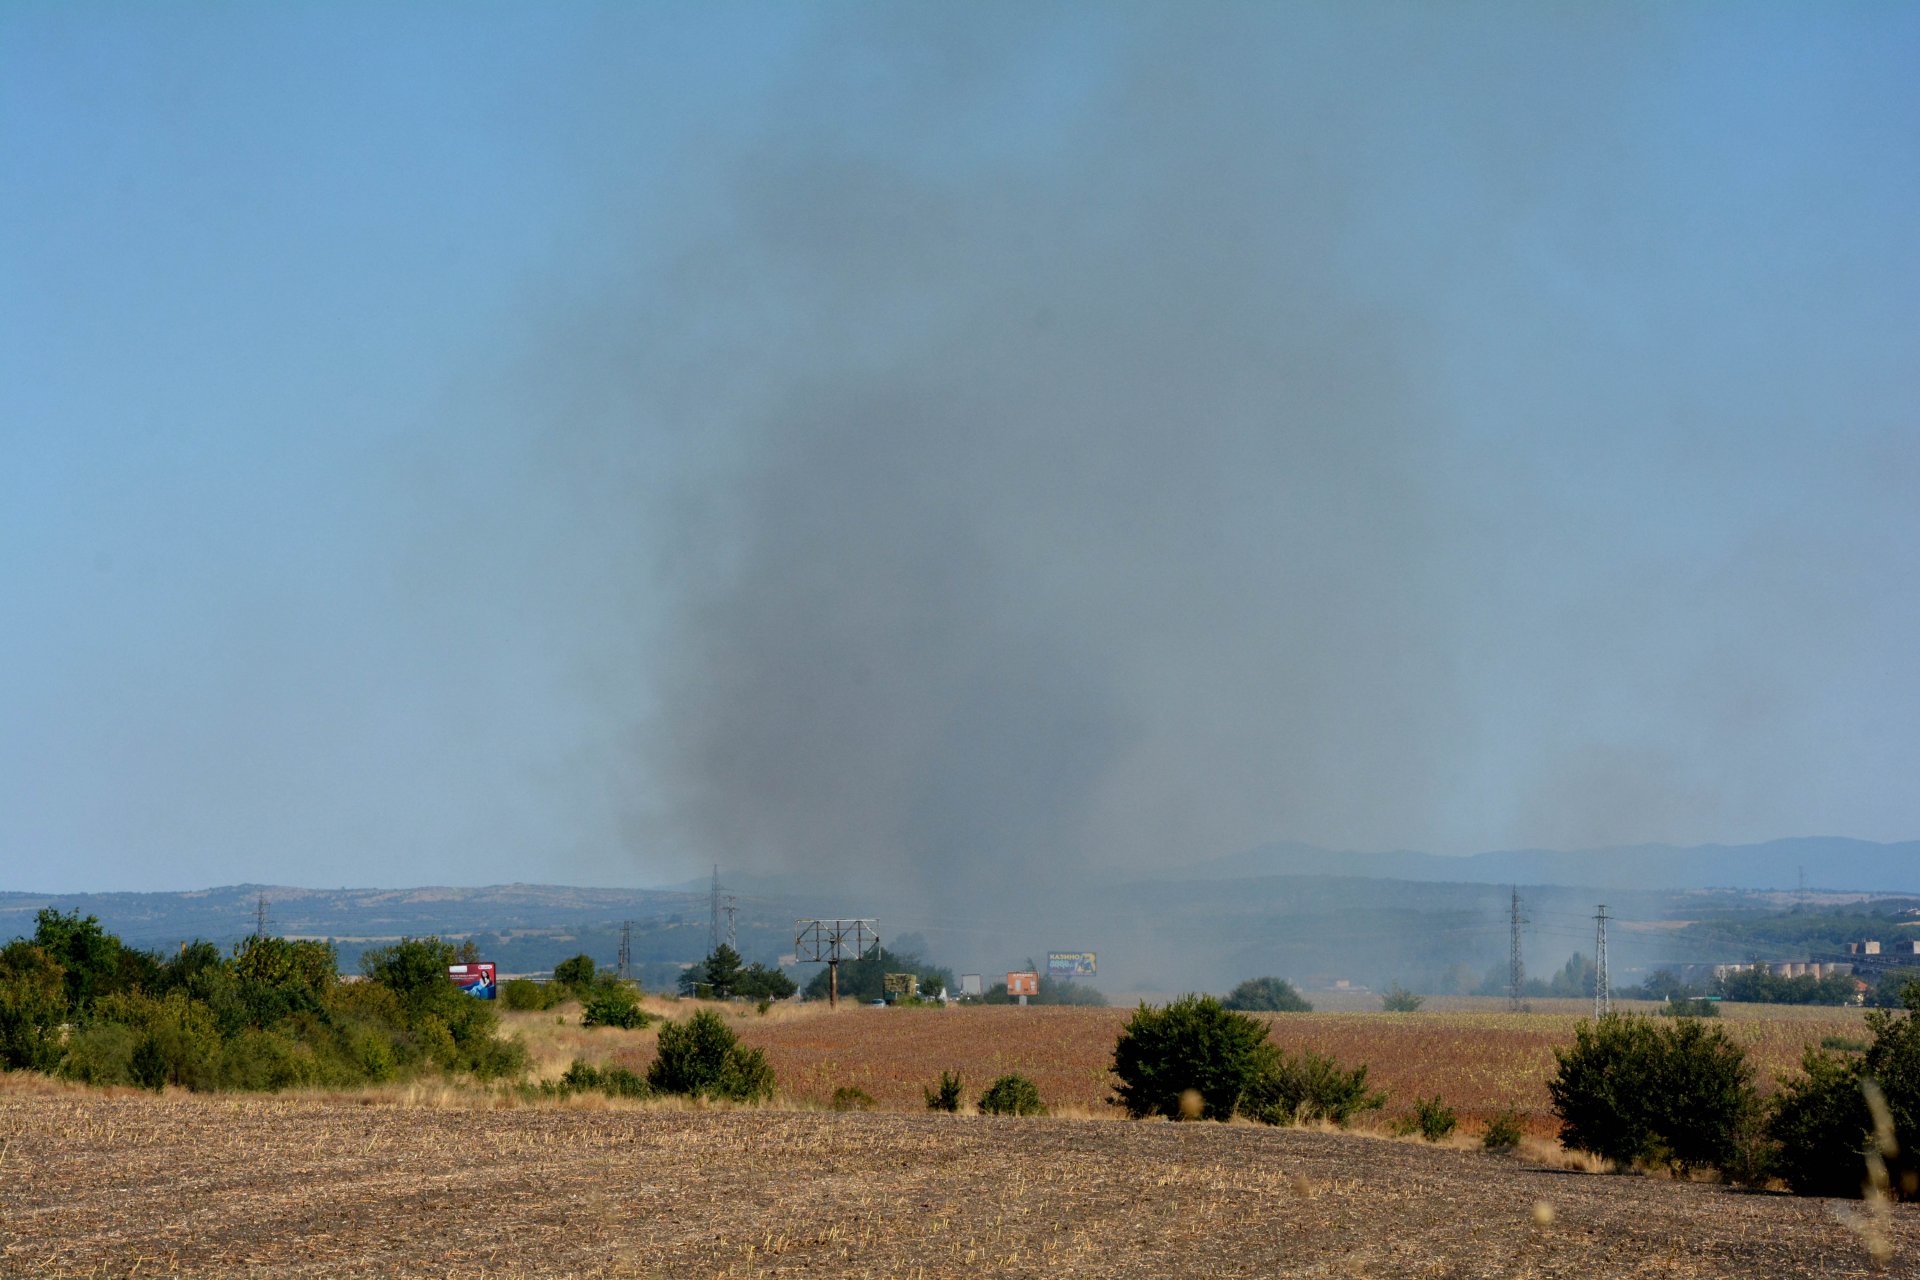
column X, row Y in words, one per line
column 1516, row 972
column 1602, row 999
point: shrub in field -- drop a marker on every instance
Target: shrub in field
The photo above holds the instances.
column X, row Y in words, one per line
column 267, row 1061
column 1397, row 999
column 702, row 1057
column 1311, row 1086
column 100, row 1055
column 1683, row 1007
column 1266, row 995
column 1012, row 1095
column 1632, row 1091
column 1194, row 1044
column 612, row 1004
column 615, row 1082
column 526, row 995
column 1821, row 1121
column 945, row 1094
column 1432, row 1119
column 1503, row 1132
column 851, row 1098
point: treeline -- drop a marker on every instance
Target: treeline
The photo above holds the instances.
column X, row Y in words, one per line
column 272, row 1014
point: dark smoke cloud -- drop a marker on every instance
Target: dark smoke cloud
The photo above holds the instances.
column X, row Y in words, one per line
column 1060, row 448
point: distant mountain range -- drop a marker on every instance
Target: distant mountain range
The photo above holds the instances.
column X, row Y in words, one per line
column 1817, row 862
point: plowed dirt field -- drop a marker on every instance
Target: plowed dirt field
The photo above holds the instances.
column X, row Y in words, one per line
column 118, row 1185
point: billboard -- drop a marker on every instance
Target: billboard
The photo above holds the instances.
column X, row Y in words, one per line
column 475, row 979
column 1023, row 984
column 1072, row 964
column 970, row 985
column 900, row 984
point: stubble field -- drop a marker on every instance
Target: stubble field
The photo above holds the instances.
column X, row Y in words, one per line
column 460, row 1182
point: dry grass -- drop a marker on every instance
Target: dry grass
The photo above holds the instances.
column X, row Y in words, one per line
column 1481, row 1060
column 98, row 1185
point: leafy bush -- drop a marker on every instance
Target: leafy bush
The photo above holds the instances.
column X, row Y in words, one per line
column 267, row 1061
column 849, row 1098
column 527, row 996
column 1821, row 1121
column 702, row 1057
column 1266, row 995
column 1311, row 1086
column 1432, row 1119
column 101, row 1055
column 1397, row 999
column 1503, row 1132
column 944, row 1095
column 1682, row 1007
column 615, row 1082
column 1631, row 1090
column 33, row 1004
column 613, row 1004
column 1194, row 1043
column 575, row 974
column 1012, row 1095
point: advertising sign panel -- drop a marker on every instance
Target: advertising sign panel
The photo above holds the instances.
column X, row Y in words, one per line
column 1023, row 984
column 1072, row 964
column 475, row 979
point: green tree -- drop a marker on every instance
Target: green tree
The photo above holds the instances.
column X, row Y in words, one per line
column 86, row 953
column 1267, row 995
column 1397, row 999
column 703, row 1058
column 1821, row 1121
column 575, row 974
column 722, row 972
column 1632, row 1090
column 760, row 982
column 1193, row 1045
column 33, row 1004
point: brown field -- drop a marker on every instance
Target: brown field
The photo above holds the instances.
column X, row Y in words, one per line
column 1479, row 1060
column 450, row 1181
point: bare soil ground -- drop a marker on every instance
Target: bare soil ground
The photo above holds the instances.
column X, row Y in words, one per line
column 95, row 1184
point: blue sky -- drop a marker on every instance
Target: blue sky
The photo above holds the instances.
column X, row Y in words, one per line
column 585, row 443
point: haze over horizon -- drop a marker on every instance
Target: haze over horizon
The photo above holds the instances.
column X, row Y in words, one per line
column 985, row 445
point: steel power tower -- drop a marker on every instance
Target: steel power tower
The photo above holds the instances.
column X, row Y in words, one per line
column 1602, row 1001
column 626, row 950
column 713, row 907
column 732, row 908
column 1516, row 972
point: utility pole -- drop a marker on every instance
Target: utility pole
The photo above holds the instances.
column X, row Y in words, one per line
column 260, row 917
column 731, row 907
column 713, row 907
column 1516, row 973
column 1602, row 1001
column 626, row 950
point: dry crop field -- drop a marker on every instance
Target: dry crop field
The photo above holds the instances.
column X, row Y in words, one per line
column 449, row 1181
column 1479, row 1061
column 93, row 1184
